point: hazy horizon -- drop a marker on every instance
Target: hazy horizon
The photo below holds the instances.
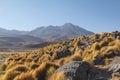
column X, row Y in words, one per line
column 97, row 16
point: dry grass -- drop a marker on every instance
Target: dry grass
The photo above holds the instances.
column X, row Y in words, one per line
column 13, row 72
column 10, row 75
column 50, row 72
column 25, row 76
column 115, row 76
column 41, row 65
column 58, row 76
column 41, row 72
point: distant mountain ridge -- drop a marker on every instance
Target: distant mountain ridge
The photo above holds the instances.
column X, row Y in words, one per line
column 5, row 32
column 41, row 34
column 19, row 41
column 68, row 30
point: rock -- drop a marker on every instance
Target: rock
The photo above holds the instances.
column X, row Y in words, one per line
column 116, row 34
column 115, row 65
column 98, row 60
column 98, row 74
column 63, row 53
column 75, row 70
column 102, row 75
column 50, row 53
column 80, row 43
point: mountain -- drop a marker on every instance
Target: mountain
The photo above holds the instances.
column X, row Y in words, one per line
column 16, row 38
column 5, row 32
column 65, row 31
column 19, row 41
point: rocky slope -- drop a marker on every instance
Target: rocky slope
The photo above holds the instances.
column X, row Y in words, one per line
column 94, row 57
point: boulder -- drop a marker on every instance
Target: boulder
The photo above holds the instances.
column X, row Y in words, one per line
column 62, row 53
column 115, row 65
column 98, row 74
column 98, row 61
column 75, row 70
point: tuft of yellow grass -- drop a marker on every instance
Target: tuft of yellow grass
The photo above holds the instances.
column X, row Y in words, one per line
column 58, row 76
column 50, row 72
column 10, row 75
column 25, row 76
column 96, row 46
column 14, row 71
column 40, row 72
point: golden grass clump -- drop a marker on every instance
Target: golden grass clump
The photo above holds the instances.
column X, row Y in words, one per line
column 50, row 72
column 77, row 56
column 14, row 71
column 25, row 76
column 33, row 65
column 96, row 46
column 58, row 76
column 61, row 61
column 10, row 75
column 113, row 49
column 109, row 39
column 20, row 68
column 89, row 57
column 103, row 35
column 103, row 43
column 3, row 67
column 40, row 72
column 115, row 76
column 10, row 65
column 107, row 61
column 117, row 41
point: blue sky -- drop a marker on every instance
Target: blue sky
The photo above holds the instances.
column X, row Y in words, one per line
column 94, row 15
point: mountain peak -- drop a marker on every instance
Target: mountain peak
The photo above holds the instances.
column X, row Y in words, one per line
column 68, row 24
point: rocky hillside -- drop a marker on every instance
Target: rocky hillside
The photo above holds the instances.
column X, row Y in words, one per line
column 94, row 57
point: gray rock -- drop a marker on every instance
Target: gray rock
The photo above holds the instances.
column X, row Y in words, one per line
column 75, row 70
column 115, row 34
column 98, row 60
column 81, row 43
column 102, row 75
column 63, row 53
column 115, row 65
column 98, row 74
